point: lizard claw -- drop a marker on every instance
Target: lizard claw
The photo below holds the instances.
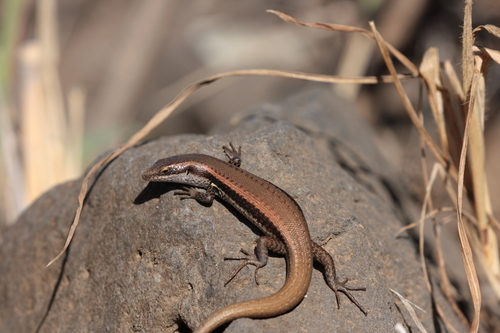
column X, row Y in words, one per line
column 340, row 286
column 248, row 259
column 186, row 192
column 233, row 154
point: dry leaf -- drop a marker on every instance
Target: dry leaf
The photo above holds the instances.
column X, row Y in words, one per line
column 430, row 71
column 492, row 54
column 492, row 29
column 470, row 269
column 409, row 307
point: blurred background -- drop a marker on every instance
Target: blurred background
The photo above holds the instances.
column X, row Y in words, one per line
column 78, row 77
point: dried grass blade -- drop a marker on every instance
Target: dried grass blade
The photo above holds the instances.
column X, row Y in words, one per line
column 492, row 29
column 492, row 54
column 452, row 102
column 452, row 172
column 476, row 146
column 470, row 269
column 421, row 222
column 165, row 112
column 430, row 214
column 317, row 25
column 430, row 70
column 409, row 307
column 454, row 81
column 445, row 282
column 442, row 315
column 488, row 247
column 409, row 107
column 345, row 28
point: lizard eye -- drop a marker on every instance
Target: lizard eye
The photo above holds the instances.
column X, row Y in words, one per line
column 165, row 170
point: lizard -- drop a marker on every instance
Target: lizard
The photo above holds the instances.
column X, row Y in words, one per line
column 269, row 208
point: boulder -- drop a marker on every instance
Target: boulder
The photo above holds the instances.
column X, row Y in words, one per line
column 142, row 260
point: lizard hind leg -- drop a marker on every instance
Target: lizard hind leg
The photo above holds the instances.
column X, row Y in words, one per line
column 335, row 284
column 259, row 258
column 248, row 259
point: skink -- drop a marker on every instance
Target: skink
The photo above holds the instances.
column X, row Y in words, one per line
column 273, row 211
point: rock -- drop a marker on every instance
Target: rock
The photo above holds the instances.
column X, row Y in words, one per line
column 144, row 261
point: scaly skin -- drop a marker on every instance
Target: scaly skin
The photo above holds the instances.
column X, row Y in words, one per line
column 272, row 210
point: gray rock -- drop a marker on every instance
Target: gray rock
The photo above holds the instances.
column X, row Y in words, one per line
column 144, row 261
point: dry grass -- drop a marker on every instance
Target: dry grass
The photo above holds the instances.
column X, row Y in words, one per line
column 49, row 134
column 409, row 306
column 478, row 234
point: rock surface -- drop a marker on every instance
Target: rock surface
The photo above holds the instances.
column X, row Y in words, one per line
column 144, row 261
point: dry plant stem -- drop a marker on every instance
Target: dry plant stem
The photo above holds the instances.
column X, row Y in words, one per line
column 446, row 288
column 445, row 281
column 482, row 204
column 430, row 214
column 467, row 44
column 470, row 269
column 436, row 211
column 409, row 107
column 492, row 29
column 453, row 99
column 471, row 272
column 448, row 324
column 431, row 74
column 43, row 127
column 445, row 284
column 430, row 71
column 474, row 71
column 165, row 112
column 344, row 28
column 492, row 54
column 427, row 202
column 409, row 307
